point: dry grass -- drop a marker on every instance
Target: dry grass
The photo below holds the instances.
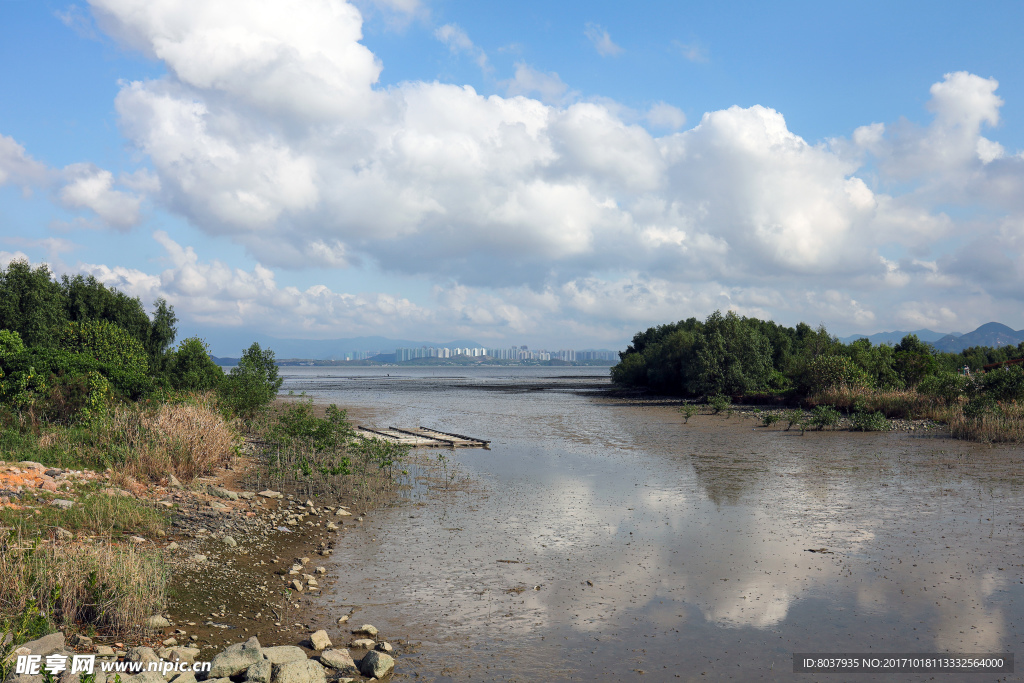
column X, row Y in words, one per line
column 899, row 405
column 88, row 586
column 1003, row 425
column 185, row 439
column 1006, row 424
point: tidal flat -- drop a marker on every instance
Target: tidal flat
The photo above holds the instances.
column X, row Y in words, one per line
column 599, row 537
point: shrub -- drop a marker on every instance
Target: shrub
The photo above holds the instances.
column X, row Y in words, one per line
column 190, row 367
column 253, row 384
column 298, row 422
column 1004, row 384
column 824, row 416
column 945, row 386
column 718, row 402
column 793, row 418
column 768, row 419
column 870, row 422
column 688, row 411
column 827, row 372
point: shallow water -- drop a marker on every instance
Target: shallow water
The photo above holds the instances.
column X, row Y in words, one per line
column 597, row 539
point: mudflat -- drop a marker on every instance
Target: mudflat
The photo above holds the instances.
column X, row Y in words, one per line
column 599, row 538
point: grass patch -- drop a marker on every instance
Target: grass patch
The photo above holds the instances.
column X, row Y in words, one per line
column 79, row 586
column 187, row 438
column 94, row 514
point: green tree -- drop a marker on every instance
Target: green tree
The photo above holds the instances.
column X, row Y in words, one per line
column 190, row 367
column 253, row 383
column 162, row 332
column 31, row 303
column 915, row 360
column 122, row 357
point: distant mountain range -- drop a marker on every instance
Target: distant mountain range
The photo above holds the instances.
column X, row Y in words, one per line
column 894, row 338
column 989, row 334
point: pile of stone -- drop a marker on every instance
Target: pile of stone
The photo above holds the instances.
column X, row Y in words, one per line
column 246, row 662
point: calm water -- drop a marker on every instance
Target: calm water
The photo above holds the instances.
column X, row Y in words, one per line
column 597, row 539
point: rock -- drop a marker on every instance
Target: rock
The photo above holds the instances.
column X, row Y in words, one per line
column 376, row 665
column 246, row 495
column 146, row 677
column 141, row 654
column 331, row 526
column 297, row 585
column 157, row 621
column 46, row 645
column 271, row 494
column 172, row 546
column 170, row 642
column 222, row 493
column 343, row 513
column 78, row 640
column 343, row 619
column 283, row 653
column 319, row 640
column 183, row 654
column 218, row 506
column 229, row 541
column 301, row 671
column 62, row 504
column 339, row 660
column 104, row 651
column 186, row 677
column 173, row 482
column 366, row 630
column 321, row 570
column 260, row 672
column 31, row 464
column 198, row 558
column 63, row 534
column 362, row 644
column 384, row 647
column 138, row 540
column 236, row 659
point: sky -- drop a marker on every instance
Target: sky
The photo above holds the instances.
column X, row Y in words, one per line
column 560, row 175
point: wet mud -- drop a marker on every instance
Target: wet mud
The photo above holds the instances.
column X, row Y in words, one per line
column 599, row 539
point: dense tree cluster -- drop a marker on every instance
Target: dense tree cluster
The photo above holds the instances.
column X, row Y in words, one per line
column 730, row 354
column 68, row 346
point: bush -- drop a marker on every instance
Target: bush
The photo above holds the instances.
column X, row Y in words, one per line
column 688, row 411
column 718, row 402
column 190, row 367
column 945, row 386
column 769, row 419
column 298, row 422
column 870, row 422
column 793, row 418
column 828, row 372
column 1004, row 384
column 824, row 416
column 253, row 384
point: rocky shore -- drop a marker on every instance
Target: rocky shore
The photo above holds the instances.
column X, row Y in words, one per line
column 316, row 662
column 243, row 585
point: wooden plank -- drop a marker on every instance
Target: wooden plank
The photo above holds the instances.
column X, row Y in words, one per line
column 458, row 436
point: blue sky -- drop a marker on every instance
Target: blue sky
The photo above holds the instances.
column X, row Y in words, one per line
column 556, row 174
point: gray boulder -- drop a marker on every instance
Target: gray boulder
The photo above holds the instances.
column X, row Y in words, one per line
column 376, row 664
column 147, row 677
column 236, row 659
column 304, row 671
column 319, row 640
column 283, row 653
column 260, row 672
column 46, row 645
column 339, row 660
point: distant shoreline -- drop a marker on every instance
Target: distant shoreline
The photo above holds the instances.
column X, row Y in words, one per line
column 426, row 362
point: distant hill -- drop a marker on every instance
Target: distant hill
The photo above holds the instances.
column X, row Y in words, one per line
column 989, row 334
column 893, row 338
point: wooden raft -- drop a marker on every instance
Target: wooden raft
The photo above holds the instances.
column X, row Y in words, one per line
column 422, row 436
